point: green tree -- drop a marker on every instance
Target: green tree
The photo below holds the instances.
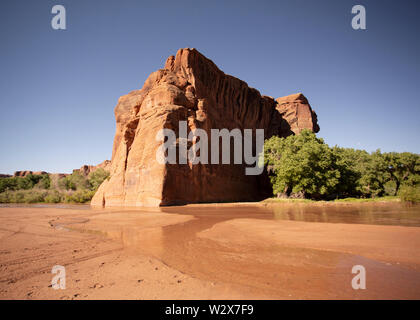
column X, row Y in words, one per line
column 410, row 193
column 351, row 163
column 74, row 181
column 402, row 168
column 7, row 184
column 97, row 177
column 374, row 175
column 44, row 182
column 303, row 164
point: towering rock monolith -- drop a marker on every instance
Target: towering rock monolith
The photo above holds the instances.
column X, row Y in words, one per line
column 191, row 88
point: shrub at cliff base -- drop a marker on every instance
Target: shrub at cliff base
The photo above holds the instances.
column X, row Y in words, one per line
column 80, row 196
column 304, row 165
column 97, row 177
column 81, row 189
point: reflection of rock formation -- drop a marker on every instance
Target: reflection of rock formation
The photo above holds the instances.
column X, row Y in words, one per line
column 190, row 88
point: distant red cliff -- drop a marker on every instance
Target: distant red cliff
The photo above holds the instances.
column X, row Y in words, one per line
column 84, row 170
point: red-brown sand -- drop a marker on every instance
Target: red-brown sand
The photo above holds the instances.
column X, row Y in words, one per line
column 201, row 252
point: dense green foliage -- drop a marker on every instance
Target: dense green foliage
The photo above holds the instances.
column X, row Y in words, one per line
column 74, row 188
column 75, row 181
column 301, row 163
column 410, row 194
column 97, row 177
column 30, row 196
column 25, row 183
column 305, row 165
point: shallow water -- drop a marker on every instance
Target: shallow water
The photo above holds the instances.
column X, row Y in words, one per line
column 397, row 214
column 268, row 268
column 386, row 213
column 369, row 213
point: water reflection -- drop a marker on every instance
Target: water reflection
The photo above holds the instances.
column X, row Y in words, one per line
column 265, row 268
column 366, row 213
column 268, row 267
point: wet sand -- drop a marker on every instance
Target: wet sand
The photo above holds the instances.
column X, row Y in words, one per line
column 226, row 251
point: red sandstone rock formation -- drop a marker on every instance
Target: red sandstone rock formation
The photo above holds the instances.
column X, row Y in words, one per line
column 27, row 172
column 86, row 169
column 191, row 88
column 295, row 109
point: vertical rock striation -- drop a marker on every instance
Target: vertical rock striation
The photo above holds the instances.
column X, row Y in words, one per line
column 192, row 88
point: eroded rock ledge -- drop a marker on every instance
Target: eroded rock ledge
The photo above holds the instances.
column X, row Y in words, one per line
column 192, row 88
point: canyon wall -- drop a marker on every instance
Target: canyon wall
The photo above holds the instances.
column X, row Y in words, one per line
column 192, row 88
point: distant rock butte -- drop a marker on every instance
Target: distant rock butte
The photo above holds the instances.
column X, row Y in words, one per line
column 86, row 169
column 27, row 172
column 191, row 88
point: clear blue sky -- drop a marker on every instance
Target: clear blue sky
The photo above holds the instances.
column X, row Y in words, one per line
column 59, row 88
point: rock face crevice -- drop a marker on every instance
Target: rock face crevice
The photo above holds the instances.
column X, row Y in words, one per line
column 191, row 88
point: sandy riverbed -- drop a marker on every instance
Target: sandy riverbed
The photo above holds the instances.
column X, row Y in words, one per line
column 208, row 252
